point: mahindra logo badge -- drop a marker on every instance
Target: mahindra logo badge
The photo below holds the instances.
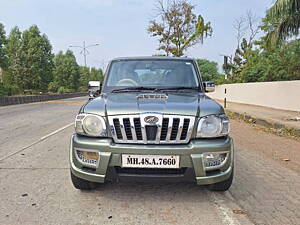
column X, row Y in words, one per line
column 151, row 119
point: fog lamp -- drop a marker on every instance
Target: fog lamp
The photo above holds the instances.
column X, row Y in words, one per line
column 214, row 160
column 89, row 159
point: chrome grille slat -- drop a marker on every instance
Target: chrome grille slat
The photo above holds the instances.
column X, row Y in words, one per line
column 190, row 130
column 132, row 127
column 123, row 129
column 185, row 128
column 144, row 135
column 171, row 129
column 158, row 135
column 180, row 126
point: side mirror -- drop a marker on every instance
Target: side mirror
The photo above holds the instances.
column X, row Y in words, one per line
column 209, row 86
column 94, row 89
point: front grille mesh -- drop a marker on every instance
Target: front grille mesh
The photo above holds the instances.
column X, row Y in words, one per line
column 174, row 131
column 164, row 129
column 184, row 129
column 127, row 128
column 170, row 129
column 118, row 128
column 138, row 128
column 150, row 171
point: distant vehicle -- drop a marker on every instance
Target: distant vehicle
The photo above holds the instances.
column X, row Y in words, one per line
column 152, row 121
column 94, row 88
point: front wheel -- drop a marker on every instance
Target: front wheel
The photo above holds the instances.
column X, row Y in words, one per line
column 82, row 184
column 222, row 186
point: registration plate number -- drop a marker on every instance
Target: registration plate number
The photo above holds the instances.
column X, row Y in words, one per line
column 150, row 161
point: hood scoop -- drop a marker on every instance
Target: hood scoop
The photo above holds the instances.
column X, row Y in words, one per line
column 152, row 96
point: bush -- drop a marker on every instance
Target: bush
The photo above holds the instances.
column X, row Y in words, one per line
column 8, row 90
column 53, row 86
column 83, row 89
column 61, row 90
column 36, row 92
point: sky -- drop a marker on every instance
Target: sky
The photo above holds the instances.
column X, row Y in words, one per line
column 120, row 26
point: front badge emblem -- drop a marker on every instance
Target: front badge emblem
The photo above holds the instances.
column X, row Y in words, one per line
column 151, row 119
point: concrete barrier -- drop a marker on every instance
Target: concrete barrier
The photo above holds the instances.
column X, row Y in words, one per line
column 279, row 95
column 13, row 100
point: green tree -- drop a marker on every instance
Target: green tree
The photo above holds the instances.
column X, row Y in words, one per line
column 208, row 69
column 84, row 76
column 66, row 72
column 96, row 74
column 272, row 57
column 287, row 15
column 13, row 75
column 178, row 28
column 277, row 64
column 88, row 74
column 37, row 59
column 29, row 59
column 2, row 43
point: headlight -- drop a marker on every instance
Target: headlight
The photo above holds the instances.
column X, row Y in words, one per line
column 90, row 125
column 213, row 126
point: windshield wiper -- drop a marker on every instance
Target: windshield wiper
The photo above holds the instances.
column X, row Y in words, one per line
column 129, row 89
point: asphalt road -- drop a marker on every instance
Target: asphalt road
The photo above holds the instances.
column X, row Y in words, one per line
column 35, row 186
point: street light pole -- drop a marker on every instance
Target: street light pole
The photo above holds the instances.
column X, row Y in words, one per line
column 84, row 50
column 84, row 53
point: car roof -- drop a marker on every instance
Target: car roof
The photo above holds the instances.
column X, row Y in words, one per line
column 151, row 58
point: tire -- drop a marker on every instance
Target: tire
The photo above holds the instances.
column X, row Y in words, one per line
column 82, row 184
column 222, row 186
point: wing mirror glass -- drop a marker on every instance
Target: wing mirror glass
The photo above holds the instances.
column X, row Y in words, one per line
column 209, row 86
column 94, row 89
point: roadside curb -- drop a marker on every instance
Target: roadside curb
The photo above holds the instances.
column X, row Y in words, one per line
column 15, row 100
column 279, row 128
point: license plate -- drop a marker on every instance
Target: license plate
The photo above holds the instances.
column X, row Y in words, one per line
column 150, row 161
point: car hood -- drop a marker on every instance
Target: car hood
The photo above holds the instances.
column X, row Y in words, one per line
column 184, row 103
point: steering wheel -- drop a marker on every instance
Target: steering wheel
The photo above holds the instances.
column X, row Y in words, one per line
column 127, row 82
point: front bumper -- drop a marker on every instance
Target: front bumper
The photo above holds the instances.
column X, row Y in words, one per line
column 191, row 156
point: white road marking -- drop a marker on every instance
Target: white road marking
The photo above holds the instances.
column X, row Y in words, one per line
column 34, row 143
column 56, row 131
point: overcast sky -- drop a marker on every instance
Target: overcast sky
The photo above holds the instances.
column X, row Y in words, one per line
column 120, row 25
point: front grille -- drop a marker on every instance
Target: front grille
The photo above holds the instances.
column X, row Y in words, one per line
column 151, row 132
column 138, row 128
column 150, row 171
column 185, row 129
column 127, row 128
column 169, row 129
column 164, row 129
column 118, row 128
column 174, row 131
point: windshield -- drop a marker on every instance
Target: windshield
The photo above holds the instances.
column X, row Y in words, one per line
column 152, row 73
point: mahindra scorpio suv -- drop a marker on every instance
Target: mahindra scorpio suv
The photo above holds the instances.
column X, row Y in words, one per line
column 152, row 121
